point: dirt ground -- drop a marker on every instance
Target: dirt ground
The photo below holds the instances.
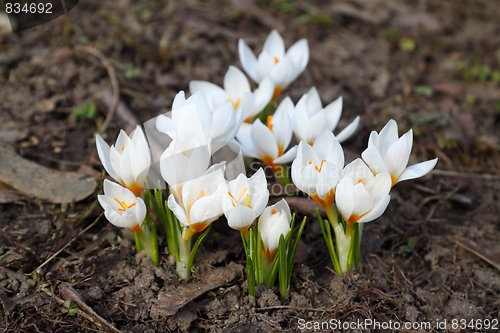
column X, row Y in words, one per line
column 434, row 255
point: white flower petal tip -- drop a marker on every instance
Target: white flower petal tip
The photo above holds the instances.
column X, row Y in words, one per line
column 362, row 197
column 274, row 222
column 316, row 169
column 244, row 199
column 128, row 160
column 283, row 67
column 388, row 152
column 268, row 141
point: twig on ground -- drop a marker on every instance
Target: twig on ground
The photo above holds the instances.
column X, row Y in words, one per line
column 68, row 293
column 112, row 76
column 71, row 241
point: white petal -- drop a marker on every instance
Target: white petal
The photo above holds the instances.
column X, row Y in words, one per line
column 387, row 136
column 282, row 126
column 282, row 73
column 126, row 170
column 379, row 186
column 299, row 53
column 372, row 157
column 417, row 170
column 206, row 209
column 377, row 210
column 362, row 200
column 265, row 65
column 287, row 157
column 397, row 156
column 263, row 94
column 244, row 141
column 313, row 101
column 349, row 130
column 240, row 216
column 280, row 227
column 274, row 45
column 179, row 100
column 208, row 89
column 329, row 148
column 235, row 83
column 224, row 125
column 248, row 60
column 314, row 126
column 344, row 197
column 263, row 139
column 103, row 151
column 177, row 210
column 165, row 125
column 327, row 179
column 333, row 112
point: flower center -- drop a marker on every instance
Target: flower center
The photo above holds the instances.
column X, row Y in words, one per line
column 276, row 60
column 236, row 103
column 320, row 166
column 237, row 201
column 124, row 206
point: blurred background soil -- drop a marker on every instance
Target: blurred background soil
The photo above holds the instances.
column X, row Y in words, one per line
column 433, row 66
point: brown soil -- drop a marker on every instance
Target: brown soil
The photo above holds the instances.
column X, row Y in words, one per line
column 433, row 66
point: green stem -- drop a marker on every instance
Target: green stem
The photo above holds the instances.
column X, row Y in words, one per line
column 182, row 266
column 139, row 246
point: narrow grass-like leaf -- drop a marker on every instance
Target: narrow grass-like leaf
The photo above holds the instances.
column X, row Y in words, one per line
column 283, row 268
column 195, row 247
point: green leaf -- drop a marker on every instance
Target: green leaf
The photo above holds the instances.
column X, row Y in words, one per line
column 327, row 236
column 283, row 268
column 196, row 245
column 88, row 111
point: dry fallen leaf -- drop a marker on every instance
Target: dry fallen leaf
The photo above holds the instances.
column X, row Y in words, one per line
column 35, row 180
column 170, row 301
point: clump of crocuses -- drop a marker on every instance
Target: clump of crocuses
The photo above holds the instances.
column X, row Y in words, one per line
column 252, row 123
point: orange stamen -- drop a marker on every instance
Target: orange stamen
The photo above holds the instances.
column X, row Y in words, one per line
column 273, row 211
column 124, row 206
column 123, row 148
column 276, row 60
column 320, row 166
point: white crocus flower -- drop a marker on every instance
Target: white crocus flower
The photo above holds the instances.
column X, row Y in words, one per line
column 201, row 201
column 182, row 161
column 316, row 169
column 309, row 118
column 237, row 91
column 283, row 67
column 274, row 222
column 193, row 117
column 244, row 199
column 388, row 153
column 128, row 160
column 269, row 142
column 361, row 196
column 121, row 207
